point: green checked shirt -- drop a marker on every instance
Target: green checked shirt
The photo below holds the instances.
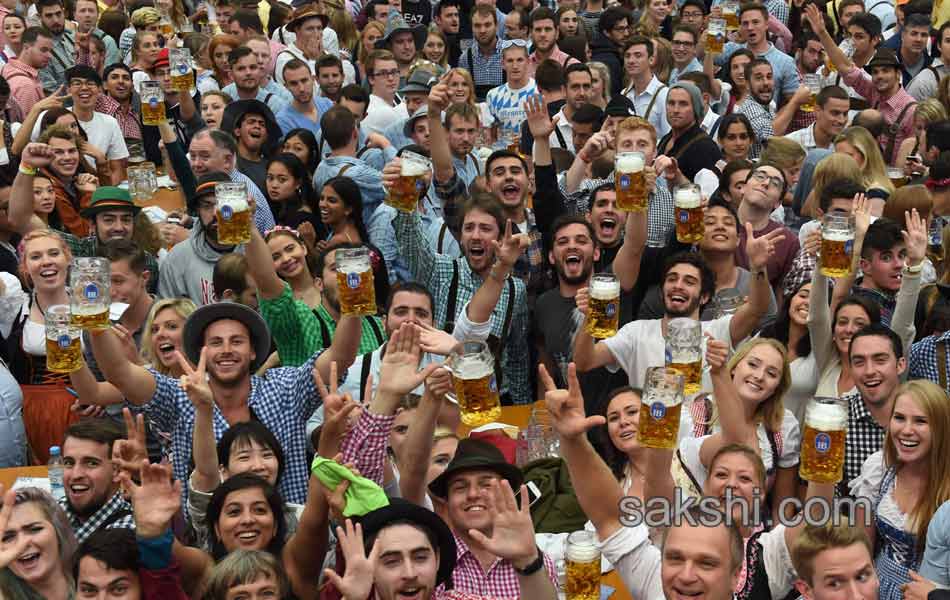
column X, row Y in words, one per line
column 89, row 247
column 434, row 271
column 300, row 332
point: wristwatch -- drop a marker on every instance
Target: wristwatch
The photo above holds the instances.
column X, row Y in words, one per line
column 915, row 270
column 532, row 568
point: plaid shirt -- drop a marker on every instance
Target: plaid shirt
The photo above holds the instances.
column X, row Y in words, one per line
column 803, row 266
column 864, row 438
column 778, row 9
column 801, row 119
column 89, row 246
column 891, row 108
column 101, row 519
column 887, row 302
column 128, row 120
column 661, row 216
column 282, row 402
column 24, row 83
column 923, row 358
column 486, row 70
column 531, row 266
column 297, row 328
column 761, row 119
column 497, row 581
column 365, row 444
column 434, row 271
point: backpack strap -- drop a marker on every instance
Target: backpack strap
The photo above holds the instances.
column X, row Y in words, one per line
column 497, row 343
column 715, row 127
column 361, row 151
column 453, row 300
column 377, row 332
column 560, row 137
column 438, row 246
column 364, row 372
column 267, row 98
column 343, row 170
column 324, row 331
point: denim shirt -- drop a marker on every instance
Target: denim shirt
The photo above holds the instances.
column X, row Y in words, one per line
column 12, row 431
column 368, row 179
column 935, row 565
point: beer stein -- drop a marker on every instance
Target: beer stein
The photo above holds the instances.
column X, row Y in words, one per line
column 813, row 82
column 660, row 408
column 89, row 280
column 179, row 61
column 730, row 13
column 603, row 306
column 727, row 302
column 405, row 194
column 684, row 351
column 233, row 212
column 826, row 423
column 583, row 566
column 897, row 176
column 63, row 347
column 630, row 181
column 715, row 36
column 688, row 200
column 473, row 375
column 153, row 103
column 354, row 277
column 143, row 183
column 837, row 245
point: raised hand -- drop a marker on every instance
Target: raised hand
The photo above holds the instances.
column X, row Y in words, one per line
column 512, row 531
column 392, row 172
column 129, row 453
column 86, row 182
column 815, row 19
column 595, row 146
column 128, row 344
column 436, row 341
column 812, row 243
column 760, row 249
column 9, row 551
column 439, row 383
column 439, row 98
column 357, row 581
column 399, row 371
column 511, row 246
column 916, row 237
column 717, row 354
column 567, row 406
column 156, row 501
column 861, row 209
column 37, row 155
column 194, row 381
column 539, row 122
column 337, row 409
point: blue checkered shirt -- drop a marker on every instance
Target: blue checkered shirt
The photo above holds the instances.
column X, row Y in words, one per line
column 923, row 359
column 282, row 401
column 486, row 70
column 104, row 518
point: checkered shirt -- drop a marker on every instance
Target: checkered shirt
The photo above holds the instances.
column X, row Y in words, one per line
column 282, row 401
column 89, row 246
column 486, row 70
column 434, row 271
column 83, row 529
column 887, row 302
column 497, row 581
column 864, row 438
column 365, row 444
column 890, row 108
column 761, row 119
column 923, row 358
column 660, row 219
column 128, row 120
column 778, row 9
column 803, row 266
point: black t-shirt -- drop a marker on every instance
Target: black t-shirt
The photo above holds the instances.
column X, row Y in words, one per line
column 417, row 12
column 255, row 170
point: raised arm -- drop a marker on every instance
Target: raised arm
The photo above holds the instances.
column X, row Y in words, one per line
column 862, row 221
column 34, row 156
column 842, row 63
column 747, row 318
column 29, row 121
column 305, row 551
column 626, row 265
column 343, row 347
column 133, row 381
column 916, row 240
column 414, row 464
column 203, row 444
column 100, row 393
column 595, row 146
column 735, row 427
column 785, row 114
column 261, row 267
column 442, row 167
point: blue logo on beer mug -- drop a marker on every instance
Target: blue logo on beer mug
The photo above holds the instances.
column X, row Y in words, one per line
column 822, row 442
column 64, row 341
column 848, row 247
column 657, row 410
column 420, row 185
column 684, row 216
column 226, row 212
column 353, row 280
column 91, row 292
column 153, row 102
column 624, row 181
column 611, row 309
column 182, row 68
column 492, row 385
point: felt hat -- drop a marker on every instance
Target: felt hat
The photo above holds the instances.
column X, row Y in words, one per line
column 198, row 321
column 109, row 198
column 476, row 455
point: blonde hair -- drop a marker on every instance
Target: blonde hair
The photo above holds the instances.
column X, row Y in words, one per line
column 837, row 165
column 137, row 41
column 342, row 23
column 464, row 74
column 815, row 539
column 906, row 198
column 662, row 59
column 874, row 171
column 604, row 73
column 783, row 152
column 443, row 433
column 930, row 110
column 771, row 411
column 434, row 30
column 932, row 399
column 37, row 234
column 241, row 567
column 183, row 307
column 361, row 55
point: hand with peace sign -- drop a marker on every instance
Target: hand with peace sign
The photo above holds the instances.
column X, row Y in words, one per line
column 510, row 247
column 337, row 409
column 567, row 406
column 194, row 382
column 760, row 249
column 129, row 453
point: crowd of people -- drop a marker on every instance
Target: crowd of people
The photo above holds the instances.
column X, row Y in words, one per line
column 238, row 432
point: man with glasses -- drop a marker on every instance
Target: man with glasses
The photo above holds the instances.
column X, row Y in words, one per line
column 685, row 40
column 385, row 107
column 693, row 14
column 483, row 58
column 506, row 102
column 613, row 29
column 85, row 86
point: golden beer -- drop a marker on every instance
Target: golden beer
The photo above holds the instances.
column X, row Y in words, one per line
column 730, row 13
column 153, row 112
column 90, row 298
column 473, row 376
column 63, row 355
column 692, row 373
column 689, row 214
column 836, row 250
column 179, row 60
column 813, row 82
column 405, row 193
column 830, row 64
column 603, row 307
column 355, row 286
column 661, row 404
column 897, row 176
column 630, row 182
column 183, row 83
column 582, row 561
column 716, row 36
column 92, row 320
column 811, row 104
column 233, row 213
column 823, row 439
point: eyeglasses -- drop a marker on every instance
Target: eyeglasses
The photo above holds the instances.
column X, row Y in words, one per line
column 762, row 177
column 387, row 73
column 682, row 44
column 83, row 83
column 516, row 42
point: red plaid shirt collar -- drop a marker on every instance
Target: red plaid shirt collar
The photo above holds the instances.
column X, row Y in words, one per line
column 128, row 121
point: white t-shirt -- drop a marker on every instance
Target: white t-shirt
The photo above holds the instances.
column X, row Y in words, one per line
column 105, row 134
column 380, row 115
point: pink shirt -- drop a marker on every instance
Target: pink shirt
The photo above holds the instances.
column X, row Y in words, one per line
column 24, row 82
column 891, row 108
column 557, row 55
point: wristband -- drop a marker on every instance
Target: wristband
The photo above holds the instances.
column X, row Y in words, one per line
column 915, row 270
column 31, row 171
column 532, row 568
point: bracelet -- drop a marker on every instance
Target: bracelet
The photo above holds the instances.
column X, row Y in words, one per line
column 31, row 171
column 533, row 567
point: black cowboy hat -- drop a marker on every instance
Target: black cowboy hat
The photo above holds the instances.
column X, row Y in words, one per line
column 474, row 455
column 198, row 321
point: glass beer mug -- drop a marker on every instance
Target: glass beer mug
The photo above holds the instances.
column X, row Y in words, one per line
column 63, row 348
column 684, row 351
column 813, row 82
column 583, row 566
column 688, row 200
column 826, row 423
column 143, row 182
column 354, row 277
column 716, row 36
column 603, row 306
column 730, row 13
column 179, row 61
column 89, row 296
column 153, row 103
column 660, row 408
column 727, row 302
column 233, row 211
column 630, row 181
column 405, row 194
column 837, row 245
column 473, row 375
column 897, row 176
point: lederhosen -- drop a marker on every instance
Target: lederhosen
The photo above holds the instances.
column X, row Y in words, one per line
column 481, row 91
column 495, row 343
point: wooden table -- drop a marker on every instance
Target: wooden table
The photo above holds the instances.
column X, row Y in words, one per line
column 168, row 199
column 8, row 476
column 519, row 416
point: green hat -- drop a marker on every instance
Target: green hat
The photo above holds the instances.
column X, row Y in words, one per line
column 109, row 198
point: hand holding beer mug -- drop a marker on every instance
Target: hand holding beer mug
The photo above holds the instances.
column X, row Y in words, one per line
column 660, row 408
column 684, row 341
column 716, row 36
column 354, row 277
column 410, row 186
column 233, row 211
column 826, row 423
column 583, row 566
column 153, row 103
column 179, row 60
column 897, row 176
column 473, row 374
column 603, row 307
column 688, row 200
column 630, row 182
column 813, row 82
column 63, row 348
column 837, row 245
column 89, row 296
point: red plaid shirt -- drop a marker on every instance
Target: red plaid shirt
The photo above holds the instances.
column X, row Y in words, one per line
column 890, row 108
column 801, row 119
column 498, row 581
column 365, row 444
column 24, row 82
column 128, row 120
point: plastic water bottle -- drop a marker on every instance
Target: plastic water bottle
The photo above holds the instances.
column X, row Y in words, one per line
column 55, row 467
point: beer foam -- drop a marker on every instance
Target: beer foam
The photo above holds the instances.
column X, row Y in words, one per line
column 687, row 199
column 604, row 290
column 471, row 367
column 236, row 204
column 88, row 310
column 825, row 417
column 630, row 164
column 582, row 554
column 414, row 168
column 837, row 235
